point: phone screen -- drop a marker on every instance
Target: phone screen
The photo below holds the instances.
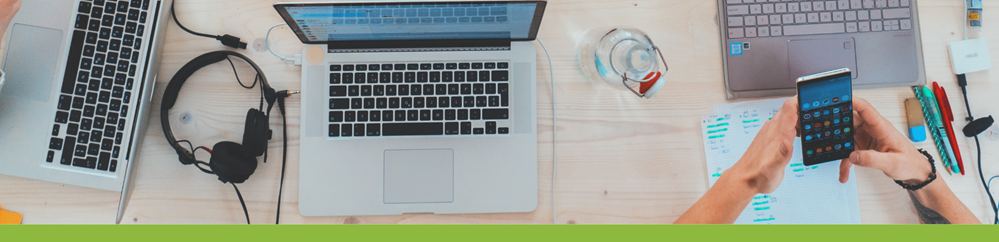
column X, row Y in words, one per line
column 826, row 118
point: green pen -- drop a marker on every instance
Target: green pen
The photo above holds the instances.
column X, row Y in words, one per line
column 935, row 122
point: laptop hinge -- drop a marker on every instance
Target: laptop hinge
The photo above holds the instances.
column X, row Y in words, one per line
column 419, row 45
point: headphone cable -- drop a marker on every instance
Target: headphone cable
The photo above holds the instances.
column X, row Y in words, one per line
column 226, row 39
column 963, row 82
column 241, row 202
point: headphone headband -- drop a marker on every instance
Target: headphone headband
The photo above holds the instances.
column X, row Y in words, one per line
column 178, row 80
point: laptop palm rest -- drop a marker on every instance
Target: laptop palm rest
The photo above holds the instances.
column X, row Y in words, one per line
column 32, row 58
column 419, row 176
column 808, row 57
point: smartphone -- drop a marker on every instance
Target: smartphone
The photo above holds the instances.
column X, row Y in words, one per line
column 825, row 115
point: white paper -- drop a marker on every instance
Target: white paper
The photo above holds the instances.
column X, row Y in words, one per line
column 807, row 195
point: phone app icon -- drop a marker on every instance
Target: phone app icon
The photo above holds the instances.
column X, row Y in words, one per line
column 846, row 130
column 806, row 106
column 828, row 148
column 809, row 137
column 808, row 116
column 819, row 150
column 836, row 121
column 810, row 152
column 827, row 123
column 845, row 97
column 818, row 125
column 838, row 146
column 847, row 144
column 816, row 114
column 825, row 101
column 815, row 104
column 826, row 112
column 836, row 131
column 835, row 99
column 828, row 133
column 846, row 119
column 836, row 110
column 807, row 126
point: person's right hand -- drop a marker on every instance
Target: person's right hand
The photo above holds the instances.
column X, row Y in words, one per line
column 881, row 146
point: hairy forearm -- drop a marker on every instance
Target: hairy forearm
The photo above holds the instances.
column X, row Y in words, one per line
column 937, row 204
column 722, row 204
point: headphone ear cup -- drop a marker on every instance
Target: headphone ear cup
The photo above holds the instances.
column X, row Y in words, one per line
column 256, row 133
column 231, row 163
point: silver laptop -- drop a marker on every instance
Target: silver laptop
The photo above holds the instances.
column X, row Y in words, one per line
column 80, row 76
column 417, row 107
column 767, row 44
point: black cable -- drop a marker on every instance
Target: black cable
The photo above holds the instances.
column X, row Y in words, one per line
column 241, row 202
column 963, row 82
column 284, row 152
column 227, row 40
column 255, row 77
column 188, row 143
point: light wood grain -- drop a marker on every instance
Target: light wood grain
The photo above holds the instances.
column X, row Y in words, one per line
column 620, row 159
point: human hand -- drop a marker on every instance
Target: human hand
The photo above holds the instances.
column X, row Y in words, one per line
column 880, row 146
column 762, row 166
column 8, row 8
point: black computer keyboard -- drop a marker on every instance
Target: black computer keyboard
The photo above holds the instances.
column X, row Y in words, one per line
column 96, row 90
column 413, row 99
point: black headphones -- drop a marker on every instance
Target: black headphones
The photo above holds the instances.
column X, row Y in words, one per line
column 230, row 161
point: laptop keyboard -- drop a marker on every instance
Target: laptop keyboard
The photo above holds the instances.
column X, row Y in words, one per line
column 773, row 18
column 414, row 99
column 93, row 108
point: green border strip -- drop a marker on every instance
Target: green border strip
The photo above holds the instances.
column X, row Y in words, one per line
column 505, row 233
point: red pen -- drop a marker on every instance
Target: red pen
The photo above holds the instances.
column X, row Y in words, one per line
column 948, row 118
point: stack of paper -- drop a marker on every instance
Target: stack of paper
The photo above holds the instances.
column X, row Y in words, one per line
column 807, row 195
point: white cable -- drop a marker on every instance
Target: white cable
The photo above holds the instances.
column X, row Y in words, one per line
column 267, row 42
column 551, row 75
column 965, row 18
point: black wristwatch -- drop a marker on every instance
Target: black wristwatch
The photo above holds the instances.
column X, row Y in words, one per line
column 933, row 174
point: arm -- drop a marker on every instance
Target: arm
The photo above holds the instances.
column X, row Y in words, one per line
column 8, row 8
column 881, row 146
column 760, row 170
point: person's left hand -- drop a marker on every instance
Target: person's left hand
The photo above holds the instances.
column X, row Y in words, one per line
column 762, row 166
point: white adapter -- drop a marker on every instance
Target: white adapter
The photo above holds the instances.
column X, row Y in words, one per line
column 969, row 56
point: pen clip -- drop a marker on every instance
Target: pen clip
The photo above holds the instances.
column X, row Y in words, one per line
column 946, row 105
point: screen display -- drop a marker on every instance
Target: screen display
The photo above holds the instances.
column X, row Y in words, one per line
column 826, row 116
column 413, row 21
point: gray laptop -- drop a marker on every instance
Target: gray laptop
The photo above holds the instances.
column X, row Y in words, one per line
column 767, row 44
column 80, row 76
column 417, row 107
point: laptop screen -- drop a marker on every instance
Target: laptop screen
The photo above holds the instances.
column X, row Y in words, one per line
column 380, row 21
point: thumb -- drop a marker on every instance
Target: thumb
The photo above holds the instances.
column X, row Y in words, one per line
column 872, row 159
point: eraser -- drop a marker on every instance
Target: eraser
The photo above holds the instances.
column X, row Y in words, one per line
column 917, row 134
column 914, row 117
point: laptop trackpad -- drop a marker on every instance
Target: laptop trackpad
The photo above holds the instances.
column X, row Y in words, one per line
column 419, row 176
column 32, row 59
column 808, row 57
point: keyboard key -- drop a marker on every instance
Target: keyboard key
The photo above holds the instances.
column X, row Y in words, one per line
column 339, row 103
column 504, row 90
column 438, row 66
column 347, row 130
column 504, row 130
column 495, row 114
column 478, row 131
column 50, row 156
column 55, row 143
column 472, row 76
column 475, row 114
column 490, row 127
column 425, row 66
column 335, row 67
column 354, row 91
column 435, row 77
column 374, row 130
column 62, row 117
column 422, row 76
column 464, row 66
column 334, row 130
column 336, row 116
column 481, row 101
column 450, row 128
column 350, row 116
column 411, row 67
column 437, row 115
column 489, row 65
column 362, row 116
column 386, row 67
column 348, row 67
column 500, row 76
column 459, row 76
column 502, row 65
column 338, row 91
column 410, row 77
column 356, row 103
column 397, row 129
column 451, row 66
column 358, row 130
column 484, row 76
column 466, row 128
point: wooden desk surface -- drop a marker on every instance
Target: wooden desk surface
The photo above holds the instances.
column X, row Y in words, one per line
column 620, row 159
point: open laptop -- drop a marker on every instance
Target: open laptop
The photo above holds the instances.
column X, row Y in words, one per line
column 767, row 45
column 80, row 76
column 417, row 107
